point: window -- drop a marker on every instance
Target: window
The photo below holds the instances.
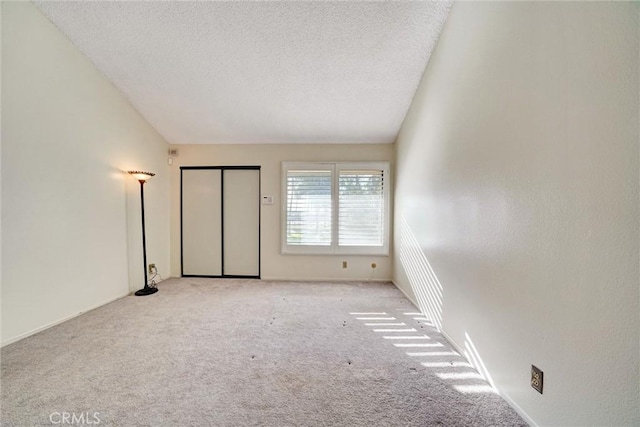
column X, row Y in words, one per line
column 335, row 208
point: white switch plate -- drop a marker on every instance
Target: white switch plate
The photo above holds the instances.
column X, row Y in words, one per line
column 267, row 200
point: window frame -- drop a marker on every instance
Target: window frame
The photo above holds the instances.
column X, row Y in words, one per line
column 334, row 248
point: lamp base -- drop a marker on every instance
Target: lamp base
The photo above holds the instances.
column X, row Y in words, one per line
column 146, row 291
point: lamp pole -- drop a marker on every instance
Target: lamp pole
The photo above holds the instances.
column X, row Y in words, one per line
column 142, row 177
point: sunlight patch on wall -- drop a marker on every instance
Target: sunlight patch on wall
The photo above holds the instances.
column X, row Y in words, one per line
column 423, row 280
column 472, row 355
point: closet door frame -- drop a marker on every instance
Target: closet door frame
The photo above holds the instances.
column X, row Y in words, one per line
column 258, row 201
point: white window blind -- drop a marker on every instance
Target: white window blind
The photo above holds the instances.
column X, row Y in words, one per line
column 309, row 207
column 361, row 208
column 335, row 208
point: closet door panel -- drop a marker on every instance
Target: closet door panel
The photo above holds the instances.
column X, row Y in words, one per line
column 241, row 207
column 201, row 222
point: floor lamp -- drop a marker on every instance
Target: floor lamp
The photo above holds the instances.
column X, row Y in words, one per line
column 142, row 177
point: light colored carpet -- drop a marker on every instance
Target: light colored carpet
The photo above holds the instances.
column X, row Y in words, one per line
column 204, row 352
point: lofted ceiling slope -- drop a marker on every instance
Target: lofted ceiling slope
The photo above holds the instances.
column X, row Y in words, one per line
column 260, row 72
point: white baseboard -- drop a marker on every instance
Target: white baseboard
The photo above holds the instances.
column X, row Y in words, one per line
column 519, row 410
column 415, row 303
column 64, row 319
column 324, row 279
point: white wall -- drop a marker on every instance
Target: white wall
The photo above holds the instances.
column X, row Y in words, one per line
column 269, row 157
column 517, row 201
column 67, row 207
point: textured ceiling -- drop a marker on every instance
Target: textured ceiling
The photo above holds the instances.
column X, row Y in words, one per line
column 260, row 72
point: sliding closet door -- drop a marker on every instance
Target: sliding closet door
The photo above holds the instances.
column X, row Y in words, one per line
column 220, row 221
column 241, row 219
column 201, row 222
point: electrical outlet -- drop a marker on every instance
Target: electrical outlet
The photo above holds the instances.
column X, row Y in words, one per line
column 374, row 265
column 152, row 268
column 344, row 264
column 536, row 378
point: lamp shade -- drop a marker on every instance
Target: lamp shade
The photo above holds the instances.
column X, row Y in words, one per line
column 141, row 176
